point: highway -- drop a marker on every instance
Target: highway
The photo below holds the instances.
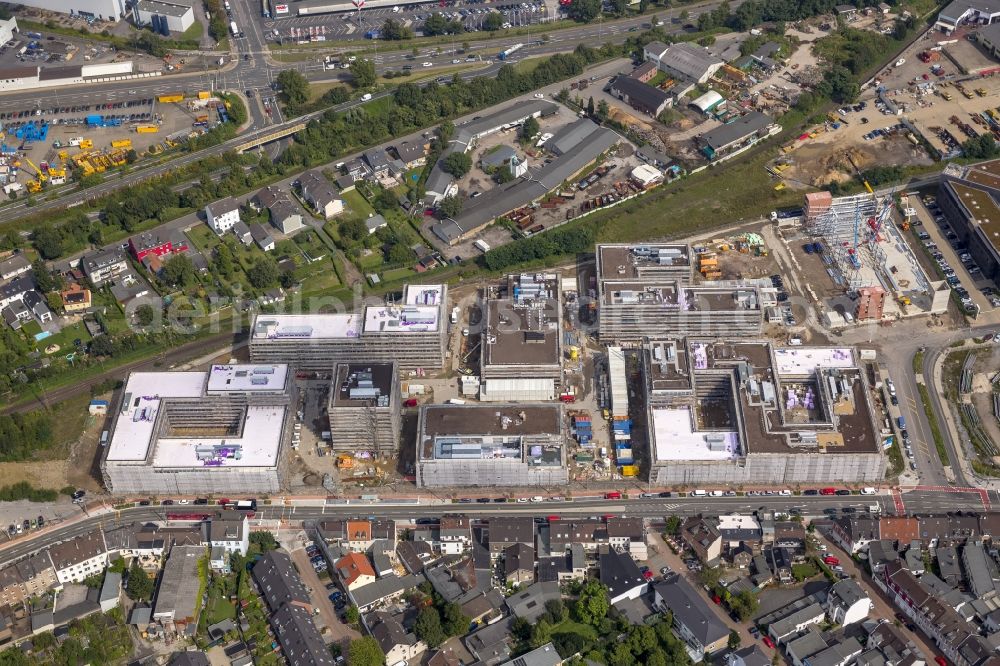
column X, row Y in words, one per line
column 916, row 502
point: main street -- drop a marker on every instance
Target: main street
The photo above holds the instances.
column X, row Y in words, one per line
column 917, row 501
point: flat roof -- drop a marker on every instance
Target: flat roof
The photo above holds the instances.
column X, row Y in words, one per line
column 639, row 260
column 401, row 318
column 983, row 209
column 246, row 378
column 356, row 384
column 424, row 294
column 806, row 360
column 258, row 446
column 307, row 326
column 676, row 439
column 668, row 365
column 475, row 420
column 143, row 394
column 524, row 327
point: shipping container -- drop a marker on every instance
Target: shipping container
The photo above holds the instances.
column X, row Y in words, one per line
column 170, row 99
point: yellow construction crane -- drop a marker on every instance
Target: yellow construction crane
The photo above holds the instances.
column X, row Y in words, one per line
column 35, row 185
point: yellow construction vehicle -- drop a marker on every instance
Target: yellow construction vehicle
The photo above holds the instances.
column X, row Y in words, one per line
column 122, row 143
column 86, row 144
column 36, row 184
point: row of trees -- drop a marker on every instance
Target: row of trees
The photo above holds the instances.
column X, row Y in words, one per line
column 560, row 241
column 22, row 435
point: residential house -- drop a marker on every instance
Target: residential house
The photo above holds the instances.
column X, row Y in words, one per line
column 355, row 570
column 545, row 655
column 455, row 534
column 177, row 601
column 947, row 530
column 695, row 623
column 839, row 653
column 357, row 169
column 358, row 536
column 979, row 571
column 703, row 537
column 454, row 578
column 104, row 265
column 791, row 535
column 229, row 530
column 397, row 644
column 847, row 603
column 13, row 266
column 880, row 553
column 748, row 656
column 278, row 581
column 519, row 564
column 621, row 575
column 284, row 214
column 413, row 155
column 320, row 194
column 261, row 237
column 529, row 603
column 25, row 578
column 735, row 529
column 375, row 222
column 383, row 591
column 75, row 299
column 893, row 647
column 627, row 534
column 508, row 530
column 588, row 533
column 242, row 233
column 221, row 215
column 645, row 72
column 790, row 625
column 378, row 162
column 75, row 559
column 414, row 555
column 901, row 529
column 854, row 533
column 492, row 643
column 147, row 242
column 300, row 640
column 16, row 315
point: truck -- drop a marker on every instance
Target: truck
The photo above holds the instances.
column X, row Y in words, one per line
column 454, row 314
column 482, row 246
column 506, row 53
column 233, row 28
column 246, row 505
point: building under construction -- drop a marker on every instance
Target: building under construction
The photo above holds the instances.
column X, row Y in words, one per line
column 412, row 332
column 850, row 229
column 646, row 288
column 198, row 432
column 364, row 409
column 488, row 445
column 521, row 343
column 744, row 412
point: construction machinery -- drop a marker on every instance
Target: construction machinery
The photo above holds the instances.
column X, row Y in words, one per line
column 170, row 99
column 147, row 129
column 35, row 185
column 122, row 143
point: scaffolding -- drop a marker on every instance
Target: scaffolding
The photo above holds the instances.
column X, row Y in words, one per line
column 852, row 230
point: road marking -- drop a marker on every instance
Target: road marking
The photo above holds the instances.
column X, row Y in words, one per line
column 897, row 499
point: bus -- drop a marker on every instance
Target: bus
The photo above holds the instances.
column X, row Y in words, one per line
column 234, row 29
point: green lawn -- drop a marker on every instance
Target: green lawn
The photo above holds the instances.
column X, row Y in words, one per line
column 203, row 238
column 397, row 274
column 568, row 626
column 804, row 571
column 219, row 609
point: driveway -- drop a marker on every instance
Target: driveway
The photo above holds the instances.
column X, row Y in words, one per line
column 336, row 631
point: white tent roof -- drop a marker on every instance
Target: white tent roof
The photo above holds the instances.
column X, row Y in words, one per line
column 708, row 101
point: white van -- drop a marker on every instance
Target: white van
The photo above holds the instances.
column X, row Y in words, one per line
column 700, row 493
column 366, row 97
column 868, row 491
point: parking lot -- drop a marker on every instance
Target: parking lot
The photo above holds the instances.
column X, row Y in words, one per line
column 356, row 25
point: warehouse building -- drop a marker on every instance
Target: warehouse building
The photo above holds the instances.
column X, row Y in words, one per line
column 637, row 294
column 198, row 432
column 969, row 197
column 490, row 445
column 23, row 77
column 539, row 181
column 640, row 96
column 521, row 345
column 684, row 60
column 179, row 16
column 962, row 12
column 744, row 412
column 411, row 332
column 102, row 10
column 364, row 409
column 737, row 135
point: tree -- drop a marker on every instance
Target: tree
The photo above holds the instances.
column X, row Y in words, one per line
column 264, row 540
column 394, row 30
column 453, row 621
column 734, row 639
column 450, row 206
column 43, row 278
column 428, row 627
column 145, row 314
column 294, row 86
column 673, row 525
column 590, row 107
column 140, row 586
column 352, row 614
column 436, row 24
column 399, row 254
column 492, row 22
column 363, row 71
column 744, row 604
column 529, row 128
column 457, row 164
column 178, row 271
column 365, row 652
column 264, row 273
column 557, row 609
column 353, row 230
column 603, row 110
column 584, row 11
column 102, row 345
column 592, row 605
column 385, row 200
column 223, row 260
column 982, row 147
column 48, row 242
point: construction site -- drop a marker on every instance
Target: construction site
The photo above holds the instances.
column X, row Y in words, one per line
column 39, row 150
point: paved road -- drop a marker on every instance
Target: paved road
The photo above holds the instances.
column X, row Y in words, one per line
column 916, row 502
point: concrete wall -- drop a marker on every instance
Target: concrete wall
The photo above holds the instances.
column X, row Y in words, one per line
column 771, row 468
column 131, row 478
